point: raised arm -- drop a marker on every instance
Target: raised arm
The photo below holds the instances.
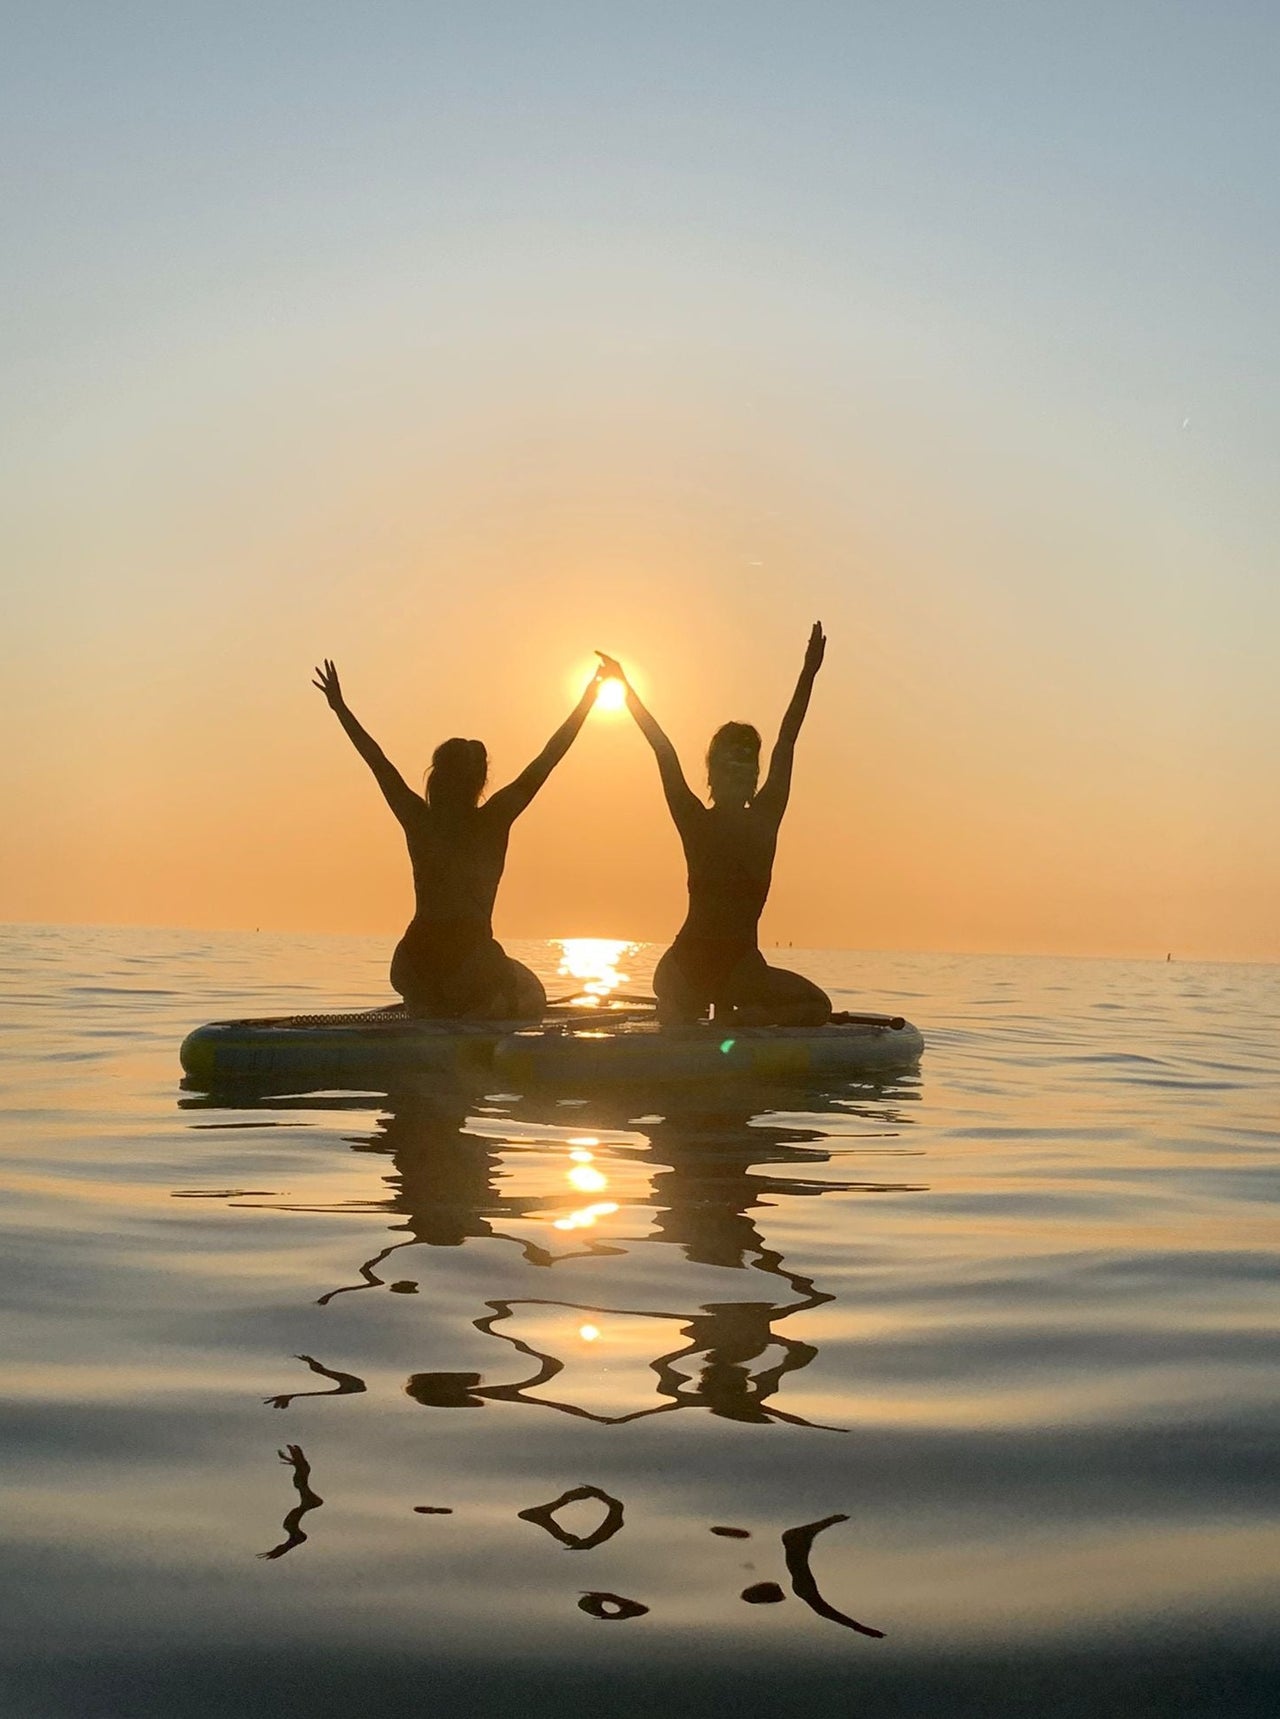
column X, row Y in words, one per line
column 396, row 791
column 777, row 784
column 679, row 796
column 513, row 799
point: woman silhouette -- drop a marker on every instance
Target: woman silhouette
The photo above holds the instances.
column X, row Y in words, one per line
column 448, row 965
column 729, row 846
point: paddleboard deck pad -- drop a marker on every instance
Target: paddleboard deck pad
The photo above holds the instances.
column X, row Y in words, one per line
column 370, row 1050
column 359, row 1050
column 643, row 1051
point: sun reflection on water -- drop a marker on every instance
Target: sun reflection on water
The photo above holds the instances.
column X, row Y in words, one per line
column 583, row 1220
column 593, row 962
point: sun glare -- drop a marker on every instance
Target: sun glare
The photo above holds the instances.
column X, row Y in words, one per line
column 611, row 695
column 593, row 961
column 583, row 1220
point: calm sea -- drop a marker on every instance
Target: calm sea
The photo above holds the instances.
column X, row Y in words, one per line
column 472, row 1403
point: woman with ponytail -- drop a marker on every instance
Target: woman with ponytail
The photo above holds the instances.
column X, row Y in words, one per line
column 448, row 965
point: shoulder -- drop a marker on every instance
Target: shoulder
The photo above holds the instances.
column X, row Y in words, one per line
column 498, row 812
column 763, row 816
column 413, row 811
column 689, row 810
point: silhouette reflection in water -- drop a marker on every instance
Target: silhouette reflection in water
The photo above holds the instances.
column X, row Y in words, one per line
column 443, row 1185
column 711, row 1169
column 706, row 1183
column 307, row 1500
column 730, row 1336
column 345, row 1385
column 544, row 1515
column 610, row 1606
column 797, row 1543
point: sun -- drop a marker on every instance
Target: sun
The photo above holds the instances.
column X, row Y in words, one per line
column 611, row 696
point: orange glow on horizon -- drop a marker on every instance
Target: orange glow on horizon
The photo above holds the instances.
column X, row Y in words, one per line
column 956, row 786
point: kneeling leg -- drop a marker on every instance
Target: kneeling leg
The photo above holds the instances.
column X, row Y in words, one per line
column 678, row 1003
column 526, row 995
column 504, row 990
column 775, row 997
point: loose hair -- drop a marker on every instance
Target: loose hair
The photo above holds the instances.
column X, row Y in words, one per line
column 458, row 773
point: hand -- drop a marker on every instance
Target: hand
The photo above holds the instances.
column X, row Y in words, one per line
column 327, row 681
column 815, row 650
column 610, row 669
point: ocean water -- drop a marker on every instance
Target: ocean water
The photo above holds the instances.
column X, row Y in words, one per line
column 467, row 1402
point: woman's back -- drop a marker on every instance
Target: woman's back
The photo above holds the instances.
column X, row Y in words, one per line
column 448, row 963
column 457, row 858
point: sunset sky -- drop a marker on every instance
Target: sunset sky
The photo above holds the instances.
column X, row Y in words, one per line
column 455, row 342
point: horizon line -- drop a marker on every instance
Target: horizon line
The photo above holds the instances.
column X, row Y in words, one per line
column 1169, row 957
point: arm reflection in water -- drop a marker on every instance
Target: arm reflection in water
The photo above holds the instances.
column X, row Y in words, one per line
column 307, row 1500
column 797, row 1543
column 347, row 1385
